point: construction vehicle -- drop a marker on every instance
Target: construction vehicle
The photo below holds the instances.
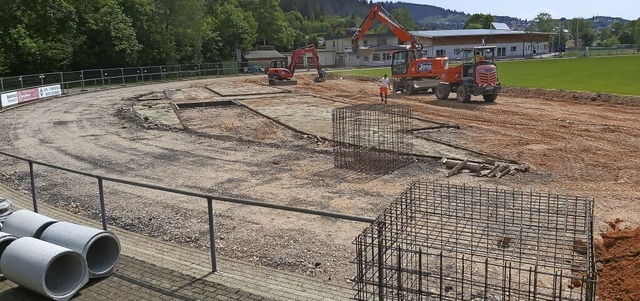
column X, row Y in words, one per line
column 410, row 71
column 279, row 75
column 477, row 75
column 413, row 73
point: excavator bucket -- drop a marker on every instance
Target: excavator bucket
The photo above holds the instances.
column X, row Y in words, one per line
column 322, row 76
column 284, row 82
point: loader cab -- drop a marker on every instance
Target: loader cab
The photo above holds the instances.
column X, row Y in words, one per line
column 476, row 56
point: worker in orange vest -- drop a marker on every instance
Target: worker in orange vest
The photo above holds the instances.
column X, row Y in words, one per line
column 384, row 88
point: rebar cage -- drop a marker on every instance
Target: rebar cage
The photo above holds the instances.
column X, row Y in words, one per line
column 451, row 242
column 372, row 138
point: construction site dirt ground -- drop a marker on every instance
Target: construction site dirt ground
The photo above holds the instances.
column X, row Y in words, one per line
column 582, row 144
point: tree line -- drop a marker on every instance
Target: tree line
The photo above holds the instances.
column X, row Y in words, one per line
column 57, row 35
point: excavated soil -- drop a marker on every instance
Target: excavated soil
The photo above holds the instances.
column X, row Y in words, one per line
column 575, row 143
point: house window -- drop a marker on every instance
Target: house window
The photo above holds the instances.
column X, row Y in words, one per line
column 376, row 57
column 334, row 44
column 514, row 48
column 502, row 51
column 364, row 43
column 441, row 52
column 386, row 56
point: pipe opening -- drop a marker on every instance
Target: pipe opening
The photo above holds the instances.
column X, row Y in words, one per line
column 102, row 254
column 64, row 275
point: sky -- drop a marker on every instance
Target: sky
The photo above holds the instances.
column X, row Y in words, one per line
column 626, row 9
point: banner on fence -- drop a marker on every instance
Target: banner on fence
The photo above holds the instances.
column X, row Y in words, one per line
column 9, row 99
column 22, row 96
column 50, row 91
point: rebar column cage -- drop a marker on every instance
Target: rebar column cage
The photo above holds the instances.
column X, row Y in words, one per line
column 372, row 138
column 451, row 242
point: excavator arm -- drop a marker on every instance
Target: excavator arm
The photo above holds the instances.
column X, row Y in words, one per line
column 303, row 50
column 379, row 13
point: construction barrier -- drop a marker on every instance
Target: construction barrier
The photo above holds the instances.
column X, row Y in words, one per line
column 50, row 270
column 5, row 240
column 25, row 223
column 100, row 248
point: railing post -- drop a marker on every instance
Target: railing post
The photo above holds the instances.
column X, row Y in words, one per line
column 33, row 187
column 2, row 84
column 212, row 236
column 103, row 211
column 122, row 73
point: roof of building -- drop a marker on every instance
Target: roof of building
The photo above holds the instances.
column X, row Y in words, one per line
column 263, row 54
column 501, row 26
column 471, row 32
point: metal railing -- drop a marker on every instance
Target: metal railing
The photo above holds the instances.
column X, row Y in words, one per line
column 93, row 79
column 208, row 197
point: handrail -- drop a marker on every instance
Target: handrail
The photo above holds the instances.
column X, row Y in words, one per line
column 209, row 197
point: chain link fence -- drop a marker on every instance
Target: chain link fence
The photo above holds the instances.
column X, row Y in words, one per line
column 95, row 79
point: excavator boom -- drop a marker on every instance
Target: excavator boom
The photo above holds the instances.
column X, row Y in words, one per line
column 379, row 13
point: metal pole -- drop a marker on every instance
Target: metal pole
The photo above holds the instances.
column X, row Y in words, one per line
column 212, row 236
column 61, row 78
column 103, row 211
column 380, row 262
column 33, row 187
column 122, row 72
column 2, row 83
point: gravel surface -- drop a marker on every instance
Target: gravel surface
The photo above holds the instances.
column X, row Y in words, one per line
column 575, row 146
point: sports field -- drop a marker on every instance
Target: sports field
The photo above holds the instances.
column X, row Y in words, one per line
column 615, row 74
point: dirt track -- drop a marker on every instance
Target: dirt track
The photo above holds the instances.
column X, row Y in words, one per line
column 574, row 146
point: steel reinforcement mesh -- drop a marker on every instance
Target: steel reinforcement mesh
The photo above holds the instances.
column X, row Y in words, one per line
column 450, row 242
column 372, row 138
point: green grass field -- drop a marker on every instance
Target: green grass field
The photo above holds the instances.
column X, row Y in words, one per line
column 614, row 74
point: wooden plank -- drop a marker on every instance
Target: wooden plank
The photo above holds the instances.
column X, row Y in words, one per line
column 494, row 170
column 457, row 168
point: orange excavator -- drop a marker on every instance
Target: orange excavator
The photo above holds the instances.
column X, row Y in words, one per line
column 413, row 73
column 279, row 75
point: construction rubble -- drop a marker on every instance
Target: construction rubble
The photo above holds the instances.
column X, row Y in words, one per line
column 494, row 169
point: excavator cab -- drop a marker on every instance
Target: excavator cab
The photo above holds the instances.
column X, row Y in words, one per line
column 278, row 64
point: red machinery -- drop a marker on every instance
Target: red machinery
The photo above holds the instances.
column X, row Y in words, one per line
column 280, row 75
column 414, row 73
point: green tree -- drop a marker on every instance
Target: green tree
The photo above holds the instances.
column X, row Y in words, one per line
column 185, row 21
column 479, row 21
column 37, row 35
column 544, row 23
column 211, row 41
column 582, row 31
column 272, row 24
column 157, row 44
column 636, row 32
column 294, row 19
column 404, row 17
column 237, row 29
column 107, row 36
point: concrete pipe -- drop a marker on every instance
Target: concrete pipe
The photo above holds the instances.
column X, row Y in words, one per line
column 50, row 270
column 100, row 248
column 26, row 223
column 5, row 240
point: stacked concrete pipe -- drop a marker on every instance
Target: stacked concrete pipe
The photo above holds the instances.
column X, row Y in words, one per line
column 100, row 248
column 25, row 223
column 5, row 240
column 50, row 270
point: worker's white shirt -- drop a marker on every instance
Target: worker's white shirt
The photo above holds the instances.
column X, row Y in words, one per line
column 384, row 82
